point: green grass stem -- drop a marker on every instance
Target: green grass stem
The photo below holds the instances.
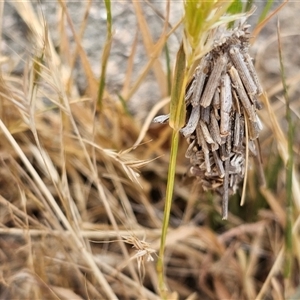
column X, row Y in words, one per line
column 167, row 209
column 289, row 167
column 177, row 120
column 265, row 10
column 106, row 52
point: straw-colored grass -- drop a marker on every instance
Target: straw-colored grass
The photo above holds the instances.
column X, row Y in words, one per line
column 83, row 183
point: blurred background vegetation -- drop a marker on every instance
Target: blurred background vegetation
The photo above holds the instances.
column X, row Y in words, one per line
column 84, row 171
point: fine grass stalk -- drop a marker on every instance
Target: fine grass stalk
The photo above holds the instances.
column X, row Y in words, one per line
column 177, row 119
column 106, row 52
column 289, row 166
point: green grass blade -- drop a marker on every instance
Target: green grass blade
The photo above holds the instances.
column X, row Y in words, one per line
column 249, row 5
column 236, row 7
column 124, row 105
column 177, row 105
column 289, row 167
column 168, row 65
column 265, row 10
column 106, row 52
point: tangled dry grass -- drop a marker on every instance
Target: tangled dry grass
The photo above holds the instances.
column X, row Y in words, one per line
column 82, row 192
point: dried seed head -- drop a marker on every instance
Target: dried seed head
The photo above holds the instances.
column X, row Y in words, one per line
column 143, row 250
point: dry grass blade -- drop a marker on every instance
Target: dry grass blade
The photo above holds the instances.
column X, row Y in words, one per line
column 88, row 234
column 263, row 23
column 58, row 211
column 157, row 48
column 77, row 49
column 149, row 46
column 85, row 63
column 126, row 84
column 149, row 120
